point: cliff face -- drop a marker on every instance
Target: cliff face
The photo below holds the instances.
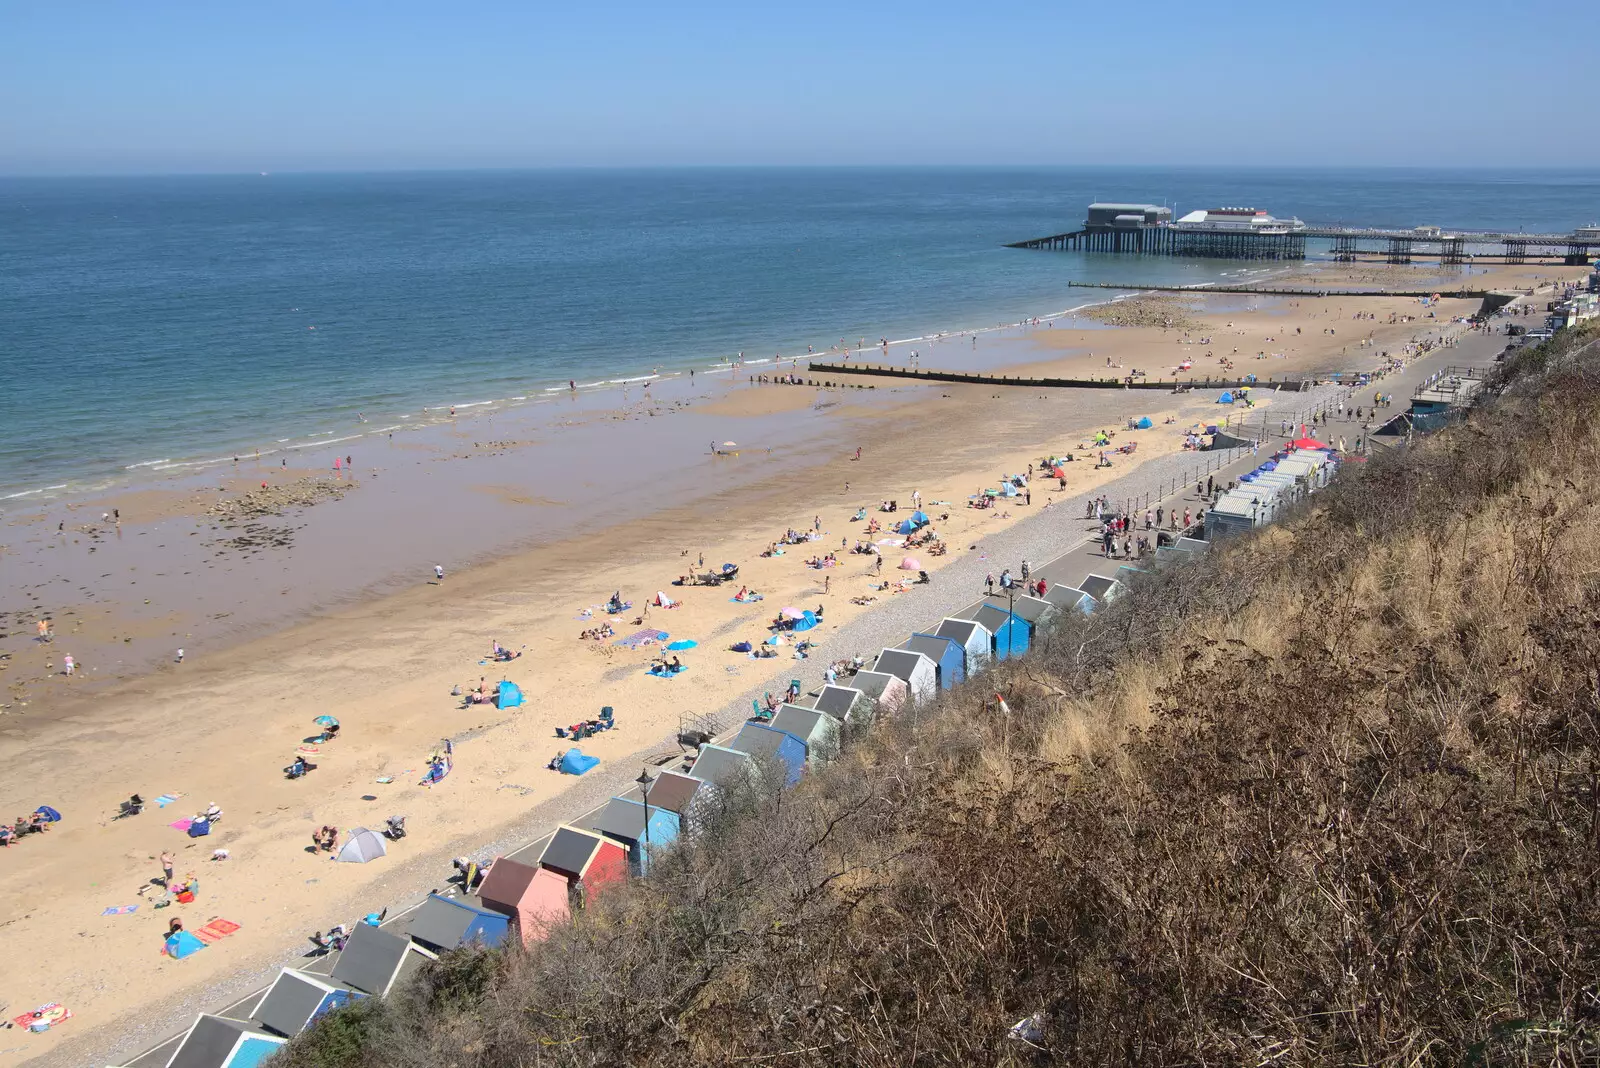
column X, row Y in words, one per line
column 1331, row 794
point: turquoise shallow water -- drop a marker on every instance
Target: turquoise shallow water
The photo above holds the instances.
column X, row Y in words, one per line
column 167, row 319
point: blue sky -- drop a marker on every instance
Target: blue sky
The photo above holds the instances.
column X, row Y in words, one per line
column 118, row 87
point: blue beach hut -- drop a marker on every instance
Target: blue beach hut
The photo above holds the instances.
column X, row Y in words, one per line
column 948, row 655
column 1070, row 597
column 762, row 741
column 632, row 824
column 217, row 1042
column 297, row 999
column 449, row 923
column 1011, row 632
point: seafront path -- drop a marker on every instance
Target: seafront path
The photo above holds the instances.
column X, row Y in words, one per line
column 1061, row 545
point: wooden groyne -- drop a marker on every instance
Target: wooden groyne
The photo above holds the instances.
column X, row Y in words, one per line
column 1463, row 294
column 965, row 378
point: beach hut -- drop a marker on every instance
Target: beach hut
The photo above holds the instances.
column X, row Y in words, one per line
column 633, row 824
column 1035, row 611
column 948, row 655
column 449, row 923
column 363, row 845
column 1105, row 590
column 723, row 766
column 767, row 743
column 1126, row 573
column 1231, row 514
column 533, row 898
column 1011, row 632
column 685, row 795
column 976, row 643
column 218, row 1042
column 920, row 674
column 374, row 960
column 591, row 862
column 888, row 693
column 1067, row 597
column 1194, row 545
column 844, row 703
column 816, row 728
column 296, row 999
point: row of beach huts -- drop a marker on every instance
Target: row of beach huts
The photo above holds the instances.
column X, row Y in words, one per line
column 617, row 841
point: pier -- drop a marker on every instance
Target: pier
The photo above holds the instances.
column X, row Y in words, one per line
column 1252, row 234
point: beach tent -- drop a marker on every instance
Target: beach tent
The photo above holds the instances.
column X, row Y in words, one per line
column 1225, row 441
column 1011, row 632
column 373, row 959
column 217, row 1042
column 182, row 944
column 767, row 743
column 591, row 862
column 1226, row 398
column 948, row 655
column 1032, row 609
column 1105, row 590
column 633, row 824
column 816, row 728
column 844, row 703
column 448, row 923
column 888, row 693
column 920, row 674
column 806, row 621
column 683, row 794
column 362, row 846
column 574, row 762
column 510, row 695
column 1067, row 597
column 296, row 999
column 977, row 643
column 50, row 815
column 1144, row 423
column 723, row 766
column 534, row 898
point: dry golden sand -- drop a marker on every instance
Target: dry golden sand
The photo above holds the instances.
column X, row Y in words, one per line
column 221, row 730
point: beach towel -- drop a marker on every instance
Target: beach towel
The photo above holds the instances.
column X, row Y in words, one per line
column 216, row 929
column 182, row 825
column 166, row 799
column 120, row 910
column 641, row 638
column 53, row 1013
column 668, row 674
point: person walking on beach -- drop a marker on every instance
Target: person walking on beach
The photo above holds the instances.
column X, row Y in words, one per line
column 167, row 861
column 180, row 656
column 438, row 572
column 1147, row 518
column 827, row 584
column 68, row 665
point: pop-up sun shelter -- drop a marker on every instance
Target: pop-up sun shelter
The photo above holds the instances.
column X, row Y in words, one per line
column 844, row 703
column 181, row 944
column 948, row 655
column 888, row 693
column 911, row 525
column 920, row 674
column 1011, row 632
column 588, row 860
column 373, row 959
column 763, row 742
column 633, row 825
column 448, row 923
column 575, row 762
column 1144, row 423
column 363, row 845
column 816, row 728
column 216, row 1042
column 296, row 999
column 534, row 898
column 976, row 642
column 510, row 695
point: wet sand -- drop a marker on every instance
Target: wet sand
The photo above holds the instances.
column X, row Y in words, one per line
column 532, row 534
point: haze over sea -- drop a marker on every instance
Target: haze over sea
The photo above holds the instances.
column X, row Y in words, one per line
column 156, row 321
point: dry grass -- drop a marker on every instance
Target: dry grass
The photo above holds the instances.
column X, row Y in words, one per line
column 1331, row 795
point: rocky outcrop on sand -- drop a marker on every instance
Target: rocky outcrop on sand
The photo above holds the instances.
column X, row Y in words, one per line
column 275, row 500
column 1167, row 313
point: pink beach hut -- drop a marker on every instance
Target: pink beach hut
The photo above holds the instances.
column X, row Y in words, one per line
column 534, row 898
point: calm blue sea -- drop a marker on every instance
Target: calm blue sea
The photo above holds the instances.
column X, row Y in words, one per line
column 162, row 319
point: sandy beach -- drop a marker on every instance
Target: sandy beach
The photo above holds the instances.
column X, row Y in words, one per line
column 327, row 605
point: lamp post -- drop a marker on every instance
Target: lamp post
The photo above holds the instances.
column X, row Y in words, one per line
column 644, row 781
